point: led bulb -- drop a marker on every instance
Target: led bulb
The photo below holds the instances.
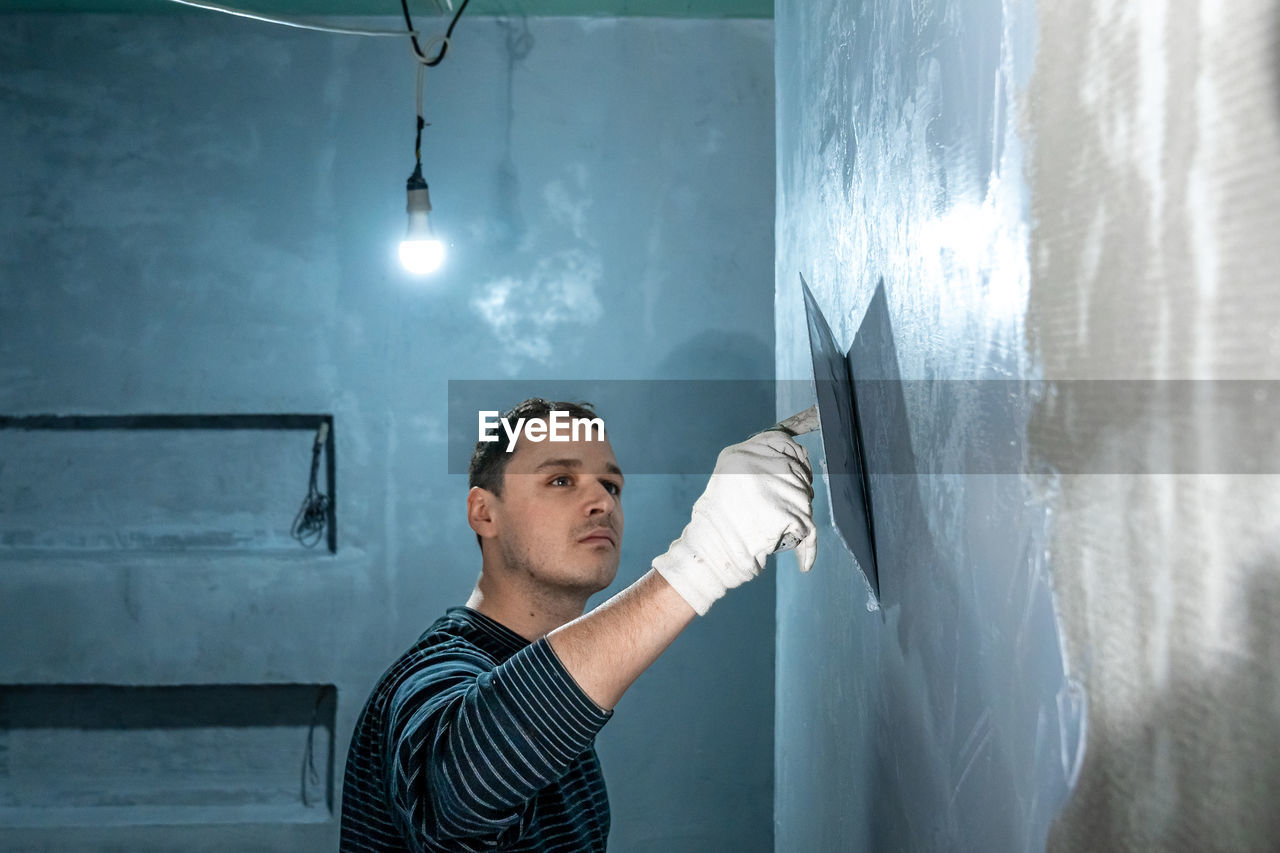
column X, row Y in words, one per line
column 420, row 252
column 421, row 256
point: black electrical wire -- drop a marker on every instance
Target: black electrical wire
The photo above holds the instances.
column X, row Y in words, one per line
column 444, row 48
column 310, row 775
column 313, row 517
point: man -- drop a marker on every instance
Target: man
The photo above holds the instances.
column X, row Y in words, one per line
column 481, row 736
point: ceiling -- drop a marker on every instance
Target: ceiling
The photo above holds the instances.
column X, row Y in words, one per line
column 540, row 8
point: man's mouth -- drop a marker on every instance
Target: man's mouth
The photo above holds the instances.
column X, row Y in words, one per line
column 599, row 535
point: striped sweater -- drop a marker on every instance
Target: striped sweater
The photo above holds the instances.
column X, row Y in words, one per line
column 475, row 739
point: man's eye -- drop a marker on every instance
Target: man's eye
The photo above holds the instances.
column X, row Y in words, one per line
column 561, row 480
column 613, row 488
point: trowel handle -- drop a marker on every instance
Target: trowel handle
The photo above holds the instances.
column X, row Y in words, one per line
column 799, row 423
column 787, row 543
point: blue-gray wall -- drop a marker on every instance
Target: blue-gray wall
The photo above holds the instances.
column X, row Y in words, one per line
column 201, row 215
column 938, row 717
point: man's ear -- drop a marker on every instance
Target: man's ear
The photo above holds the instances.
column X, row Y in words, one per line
column 480, row 512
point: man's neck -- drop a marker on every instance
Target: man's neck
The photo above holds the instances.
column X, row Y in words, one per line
column 532, row 615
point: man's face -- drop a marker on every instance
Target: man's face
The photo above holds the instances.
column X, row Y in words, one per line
column 558, row 522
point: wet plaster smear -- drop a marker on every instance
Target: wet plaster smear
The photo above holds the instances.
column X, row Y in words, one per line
column 1074, row 646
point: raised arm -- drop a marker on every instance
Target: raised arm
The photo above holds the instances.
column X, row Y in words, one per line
column 761, row 490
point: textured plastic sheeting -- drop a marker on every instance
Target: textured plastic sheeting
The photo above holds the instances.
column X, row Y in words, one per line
column 845, row 467
column 1155, row 174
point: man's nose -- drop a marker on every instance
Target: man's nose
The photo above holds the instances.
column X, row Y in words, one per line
column 601, row 500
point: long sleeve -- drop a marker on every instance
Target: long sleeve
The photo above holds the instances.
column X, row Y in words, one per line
column 470, row 745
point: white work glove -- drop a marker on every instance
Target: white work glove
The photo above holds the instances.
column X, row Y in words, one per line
column 759, row 500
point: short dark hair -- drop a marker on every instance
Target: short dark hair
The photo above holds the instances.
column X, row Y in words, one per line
column 489, row 459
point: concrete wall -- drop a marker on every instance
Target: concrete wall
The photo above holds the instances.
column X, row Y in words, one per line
column 1060, row 195
column 938, row 716
column 201, row 215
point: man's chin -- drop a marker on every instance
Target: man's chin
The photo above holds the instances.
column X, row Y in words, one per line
column 598, row 577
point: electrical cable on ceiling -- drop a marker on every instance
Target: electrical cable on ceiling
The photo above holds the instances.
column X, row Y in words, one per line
column 422, row 72
column 413, row 35
column 313, row 517
column 420, row 252
column 289, row 22
column 423, row 63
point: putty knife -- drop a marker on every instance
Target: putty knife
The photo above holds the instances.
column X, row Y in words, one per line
column 846, row 464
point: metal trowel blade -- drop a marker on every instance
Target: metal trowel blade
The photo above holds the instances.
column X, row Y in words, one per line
column 846, row 467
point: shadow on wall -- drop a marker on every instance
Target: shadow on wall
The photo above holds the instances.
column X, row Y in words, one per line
column 509, row 222
column 937, row 696
column 720, row 355
column 727, row 411
column 967, row 745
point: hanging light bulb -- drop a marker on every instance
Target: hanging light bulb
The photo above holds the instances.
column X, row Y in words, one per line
column 420, row 251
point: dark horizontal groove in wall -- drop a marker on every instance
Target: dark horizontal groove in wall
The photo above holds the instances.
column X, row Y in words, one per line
column 200, row 421
column 124, row 706
column 160, row 421
column 118, row 755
